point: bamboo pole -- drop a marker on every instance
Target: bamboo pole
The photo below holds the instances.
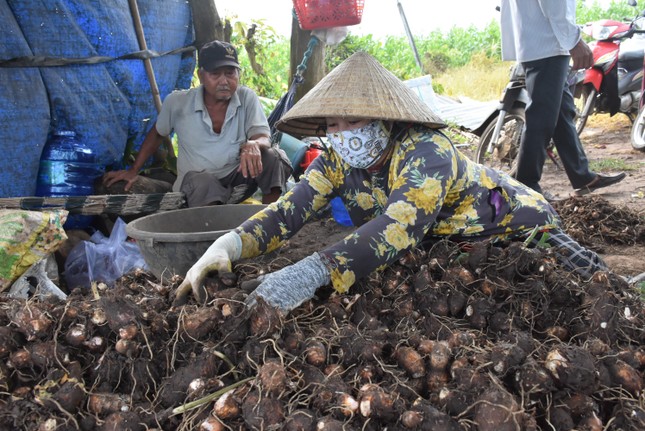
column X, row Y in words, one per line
column 138, row 27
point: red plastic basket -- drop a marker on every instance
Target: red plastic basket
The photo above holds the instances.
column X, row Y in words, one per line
column 313, row 14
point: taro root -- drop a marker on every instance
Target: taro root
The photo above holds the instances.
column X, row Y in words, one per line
column 478, row 313
column 300, row 420
column 347, row 404
column 262, row 413
column 440, row 356
column 265, row 319
column 124, row 420
column 20, row 359
column 95, row 344
column 411, row 419
column 455, row 401
column 431, row 418
column 505, row 357
column 129, row 332
column 624, row 376
column 500, row 322
column 590, row 422
column 458, row 276
column 316, row 353
column 119, row 311
column 328, row 423
column 76, row 335
column 173, row 390
column 461, row 339
column 411, row 361
column 533, row 379
column 227, row 406
column 456, row 302
column 560, row 418
column 559, row 332
column 10, row 340
column 104, row 403
column 62, row 391
column 573, row 367
column 30, row 320
column 497, row 410
column 128, row 348
column 601, row 309
column 42, row 355
column 330, row 395
column 273, row 378
column 211, row 424
column 435, row 380
column 376, row 403
column 579, row 405
column 200, row 323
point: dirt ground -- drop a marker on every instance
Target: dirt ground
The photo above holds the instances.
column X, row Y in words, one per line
column 606, row 142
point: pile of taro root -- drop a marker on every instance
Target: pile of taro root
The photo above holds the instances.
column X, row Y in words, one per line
column 458, row 337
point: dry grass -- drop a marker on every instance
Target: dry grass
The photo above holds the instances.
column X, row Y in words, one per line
column 609, row 123
column 481, row 79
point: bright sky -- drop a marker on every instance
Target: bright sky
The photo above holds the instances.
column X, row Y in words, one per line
column 380, row 17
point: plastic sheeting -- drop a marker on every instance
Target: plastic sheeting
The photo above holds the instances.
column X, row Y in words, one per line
column 108, row 104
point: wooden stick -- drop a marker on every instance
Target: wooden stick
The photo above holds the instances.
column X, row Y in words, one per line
column 138, row 27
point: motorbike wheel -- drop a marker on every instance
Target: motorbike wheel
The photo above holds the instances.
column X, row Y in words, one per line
column 503, row 156
column 638, row 131
column 585, row 102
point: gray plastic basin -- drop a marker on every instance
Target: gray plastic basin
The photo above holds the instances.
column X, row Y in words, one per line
column 172, row 241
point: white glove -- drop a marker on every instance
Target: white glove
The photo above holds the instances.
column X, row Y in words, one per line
column 226, row 249
column 292, row 285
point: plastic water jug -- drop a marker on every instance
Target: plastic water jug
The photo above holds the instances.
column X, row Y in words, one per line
column 68, row 168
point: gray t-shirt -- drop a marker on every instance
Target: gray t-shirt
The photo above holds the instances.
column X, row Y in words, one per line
column 200, row 148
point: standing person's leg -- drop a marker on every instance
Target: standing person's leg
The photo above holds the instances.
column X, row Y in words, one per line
column 544, row 83
column 567, row 142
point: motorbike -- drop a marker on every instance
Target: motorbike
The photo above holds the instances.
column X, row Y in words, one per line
column 637, row 134
column 499, row 142
column 613, row 83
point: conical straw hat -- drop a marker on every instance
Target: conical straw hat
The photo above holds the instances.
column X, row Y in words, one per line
column 359, row 87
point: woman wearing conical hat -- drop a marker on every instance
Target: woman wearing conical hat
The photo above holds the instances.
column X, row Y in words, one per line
column 403, row 182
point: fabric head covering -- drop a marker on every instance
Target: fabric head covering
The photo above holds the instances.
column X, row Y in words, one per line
column 217, row 54
column 360, row 87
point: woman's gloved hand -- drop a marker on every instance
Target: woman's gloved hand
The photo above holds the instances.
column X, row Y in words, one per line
column 226, row 249
column 292, row 285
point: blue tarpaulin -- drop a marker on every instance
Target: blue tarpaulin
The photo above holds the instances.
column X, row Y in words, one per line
column 108, row 102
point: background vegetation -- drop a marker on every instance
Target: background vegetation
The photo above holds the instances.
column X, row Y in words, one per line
column 456, row 59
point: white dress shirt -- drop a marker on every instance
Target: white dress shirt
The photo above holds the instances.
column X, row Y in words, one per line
column 537, row 29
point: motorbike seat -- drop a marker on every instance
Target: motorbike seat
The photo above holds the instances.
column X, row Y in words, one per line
column 631, row 55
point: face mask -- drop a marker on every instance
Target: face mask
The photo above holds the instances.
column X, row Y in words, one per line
column 362, row 147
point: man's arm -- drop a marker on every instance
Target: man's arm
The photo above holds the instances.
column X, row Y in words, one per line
column 149, row 147
column 251, row 155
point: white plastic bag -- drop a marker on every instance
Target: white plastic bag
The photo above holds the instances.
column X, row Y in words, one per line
column 102, row 259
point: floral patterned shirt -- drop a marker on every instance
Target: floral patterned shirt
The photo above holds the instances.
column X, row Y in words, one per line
column 428, row 190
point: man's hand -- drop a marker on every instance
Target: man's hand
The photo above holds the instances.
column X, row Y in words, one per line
column 581, row 56
column 218, row 258
column 129, row 176
column 292, row 285
column 250, row 159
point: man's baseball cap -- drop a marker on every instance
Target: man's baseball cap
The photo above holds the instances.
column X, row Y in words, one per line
column 217, row 54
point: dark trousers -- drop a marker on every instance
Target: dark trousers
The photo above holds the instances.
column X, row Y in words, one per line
column 204, row 188
column 550, row 115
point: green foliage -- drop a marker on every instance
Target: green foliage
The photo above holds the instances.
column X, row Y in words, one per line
column 441, row 54
column 590, row 10
column 272, row 56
